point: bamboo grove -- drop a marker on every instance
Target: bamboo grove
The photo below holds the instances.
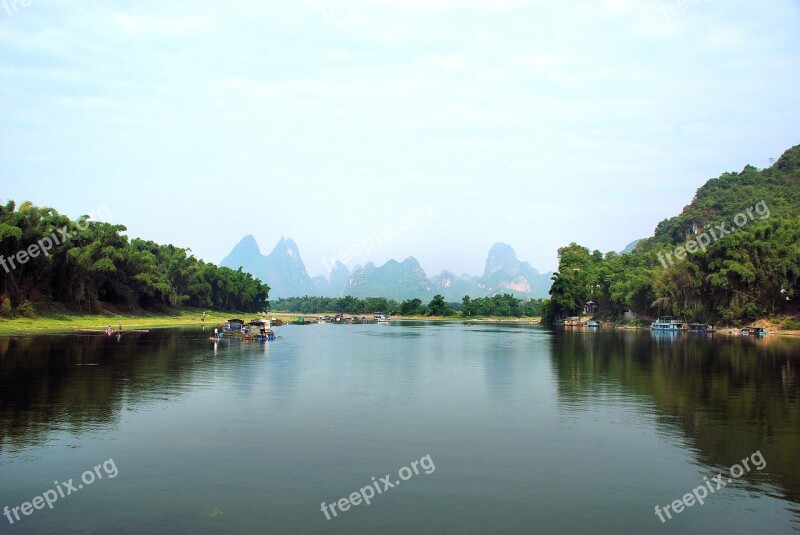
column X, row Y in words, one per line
column 52, row 262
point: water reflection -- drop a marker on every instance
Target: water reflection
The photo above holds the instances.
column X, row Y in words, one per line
column 728, row 396
column 82, row 383
column 322, row 399
column 507, row 352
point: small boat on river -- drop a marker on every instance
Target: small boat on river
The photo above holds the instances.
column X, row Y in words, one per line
column 754, row 331
column 259, row 330
column 667, row 323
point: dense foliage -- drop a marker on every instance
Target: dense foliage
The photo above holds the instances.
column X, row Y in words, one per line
column 335, row 305
column 501, row 305
column 498, row 305
column 750, row 272
column 48, row 259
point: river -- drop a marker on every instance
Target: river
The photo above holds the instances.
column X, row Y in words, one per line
column 483, row 428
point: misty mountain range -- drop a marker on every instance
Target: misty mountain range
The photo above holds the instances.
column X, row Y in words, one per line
column 284, row 271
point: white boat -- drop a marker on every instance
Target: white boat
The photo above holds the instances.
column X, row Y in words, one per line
column 381, row 318
column 667, row 323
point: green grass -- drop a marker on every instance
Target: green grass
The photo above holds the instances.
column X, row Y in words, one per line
column 64, row 322
column 791, row 325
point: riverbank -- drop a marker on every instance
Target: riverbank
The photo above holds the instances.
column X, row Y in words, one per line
column 461, row 319
column 454, row 319
column 63, row 322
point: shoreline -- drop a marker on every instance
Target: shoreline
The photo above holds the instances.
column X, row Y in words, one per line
column 60, row 323
column 451, row 319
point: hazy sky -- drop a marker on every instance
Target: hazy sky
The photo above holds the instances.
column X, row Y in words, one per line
column 432, row 128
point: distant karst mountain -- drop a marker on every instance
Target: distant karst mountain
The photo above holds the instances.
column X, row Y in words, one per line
column 505, row 274
column 284, row 271
column 630, row 247
column 334, row 285
column 393, row 280
column 454, row 287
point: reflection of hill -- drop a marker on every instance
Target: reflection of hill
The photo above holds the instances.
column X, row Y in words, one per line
column 83, row 382
column 730, row 398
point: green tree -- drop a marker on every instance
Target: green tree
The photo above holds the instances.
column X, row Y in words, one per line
column 411, row 307
column 438, row 307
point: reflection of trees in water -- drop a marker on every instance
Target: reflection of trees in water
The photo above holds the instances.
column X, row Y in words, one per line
column 507, row 359
column 730, row 396
column 81, row 383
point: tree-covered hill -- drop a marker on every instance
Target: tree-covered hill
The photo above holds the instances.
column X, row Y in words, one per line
column 721, row 199
column 48, row 260
column 732, row 255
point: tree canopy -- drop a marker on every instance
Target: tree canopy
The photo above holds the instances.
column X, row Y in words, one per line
column 48, row 259
column 750, row 272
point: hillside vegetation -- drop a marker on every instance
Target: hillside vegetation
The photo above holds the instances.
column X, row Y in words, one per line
column 732, row 255
column 50, row 262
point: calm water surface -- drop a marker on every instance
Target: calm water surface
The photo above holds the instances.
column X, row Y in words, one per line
column 529, row 430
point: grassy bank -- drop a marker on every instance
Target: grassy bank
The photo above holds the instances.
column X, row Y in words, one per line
column 62, row 322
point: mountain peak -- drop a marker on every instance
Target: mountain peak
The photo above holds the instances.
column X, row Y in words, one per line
column 501, row 258
column 339, row 267
column 411, row 262
column 242, row 254
column 789, row 160
column 284, row 271
column 248, row 242
column 291, row 248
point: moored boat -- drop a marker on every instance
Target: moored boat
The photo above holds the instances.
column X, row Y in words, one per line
column 754, row 331
column 233, row 324
column 259, row 330
column 667, row 323
column 701, row 328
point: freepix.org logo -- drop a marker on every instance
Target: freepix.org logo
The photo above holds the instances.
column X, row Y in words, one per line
column 45, row 245
column 367, row 493
column 12, row 7
column 60, row 491
column 699, row 494
column 715, row 232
